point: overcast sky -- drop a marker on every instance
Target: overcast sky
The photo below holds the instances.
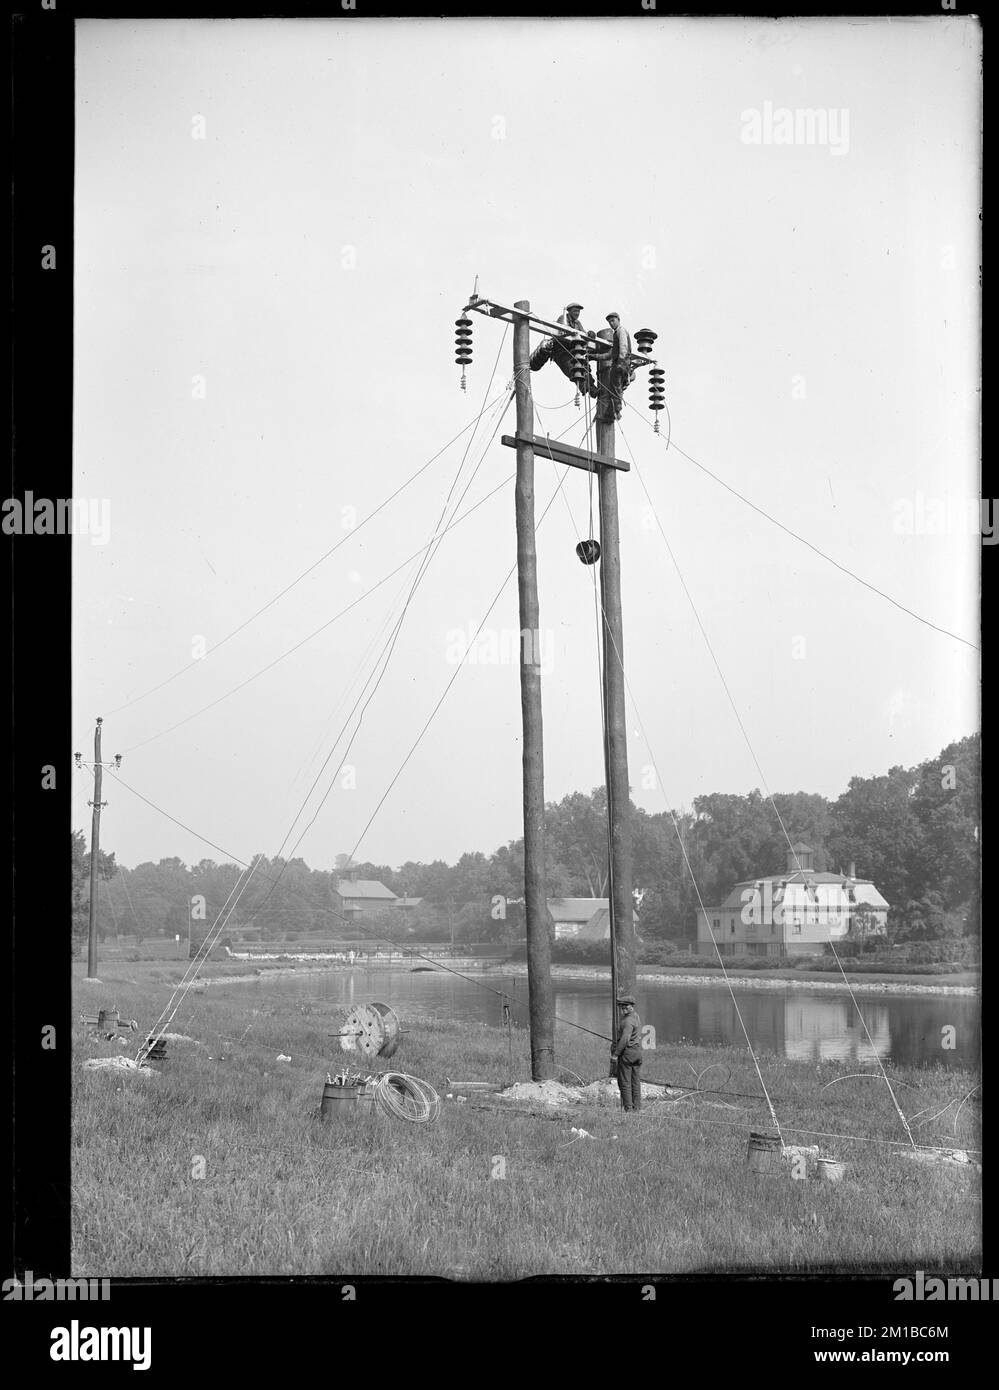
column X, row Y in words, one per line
column 277, row 224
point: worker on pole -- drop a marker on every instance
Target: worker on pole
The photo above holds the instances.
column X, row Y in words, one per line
column 626, row 1054
column 552, row 350
column 614, row 370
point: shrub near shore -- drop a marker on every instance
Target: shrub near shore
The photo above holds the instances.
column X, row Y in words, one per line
column 284, row 1194
column 913, row 961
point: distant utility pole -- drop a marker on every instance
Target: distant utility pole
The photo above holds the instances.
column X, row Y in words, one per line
column 95, row 845
column 95, row 854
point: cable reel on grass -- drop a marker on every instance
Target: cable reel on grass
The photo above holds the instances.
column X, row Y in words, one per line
column 370, row 1029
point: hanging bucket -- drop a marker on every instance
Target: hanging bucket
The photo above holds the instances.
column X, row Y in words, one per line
column 588, row 551
column 830, row 1169
column 764, row 1153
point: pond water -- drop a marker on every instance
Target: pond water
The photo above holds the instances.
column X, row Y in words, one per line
column 801, row 1024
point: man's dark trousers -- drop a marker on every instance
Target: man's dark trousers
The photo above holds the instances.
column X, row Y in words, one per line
column 629, row 1083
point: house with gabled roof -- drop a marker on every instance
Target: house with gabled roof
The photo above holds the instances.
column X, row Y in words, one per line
column 799, row 912
column 355, row 897
column 580, row 919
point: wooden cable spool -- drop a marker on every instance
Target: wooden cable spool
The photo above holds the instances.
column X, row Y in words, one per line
column 371, row 1029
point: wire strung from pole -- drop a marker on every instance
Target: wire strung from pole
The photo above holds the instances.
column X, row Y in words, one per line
column 766, row 786
column 323, row 626
column 683, row 849
column 194, row 966
column 821, row 553
column 390, row 648
column 128, row 897
column 326, row 911
column 216, row 931
column 107, row 894
column 605, row 735
column 196, row 714
column 315, row 564
column 376, row 641
column 433, row 712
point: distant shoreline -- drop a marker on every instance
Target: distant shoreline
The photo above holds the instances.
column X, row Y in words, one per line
column 752, row 981
column 596, row 972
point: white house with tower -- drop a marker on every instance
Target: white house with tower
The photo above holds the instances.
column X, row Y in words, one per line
column 798, row 912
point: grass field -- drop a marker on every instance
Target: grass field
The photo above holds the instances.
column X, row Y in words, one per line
column 283, row 1193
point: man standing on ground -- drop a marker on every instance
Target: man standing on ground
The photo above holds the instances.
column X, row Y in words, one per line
column 626, row 1054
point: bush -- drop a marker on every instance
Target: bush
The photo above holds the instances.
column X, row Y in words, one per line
column 657, row 953
column 892, row 966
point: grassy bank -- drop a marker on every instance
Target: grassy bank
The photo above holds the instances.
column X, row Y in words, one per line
column 285, row 1194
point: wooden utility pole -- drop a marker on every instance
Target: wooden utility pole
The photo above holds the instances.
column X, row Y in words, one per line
column 615, row 722
column 616, row 739
column 95, row 854
column 539, row 962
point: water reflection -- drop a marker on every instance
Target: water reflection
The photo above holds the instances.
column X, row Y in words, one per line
column 802, row 1025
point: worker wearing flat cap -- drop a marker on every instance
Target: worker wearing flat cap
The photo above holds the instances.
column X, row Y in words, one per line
column 614, row 370
column 560, row 351
column 626, row 1054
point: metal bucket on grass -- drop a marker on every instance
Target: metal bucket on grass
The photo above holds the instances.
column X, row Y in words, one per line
column 829, row 1169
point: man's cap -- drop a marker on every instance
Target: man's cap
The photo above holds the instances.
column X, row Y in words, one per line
column 614, row 315
column 626, row 999
column 574, row 306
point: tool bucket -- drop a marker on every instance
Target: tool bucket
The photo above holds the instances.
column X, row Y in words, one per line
column 346, row 1102
column 107, row 1021
column 764, row 1154
column 829, row 1169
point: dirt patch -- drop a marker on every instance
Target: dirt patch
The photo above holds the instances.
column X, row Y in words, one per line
column 117, row 1064
column 607, row 1090
column 555, row 1093
column 542, row 1093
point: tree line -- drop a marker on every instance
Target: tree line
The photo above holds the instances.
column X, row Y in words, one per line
column 913, row 832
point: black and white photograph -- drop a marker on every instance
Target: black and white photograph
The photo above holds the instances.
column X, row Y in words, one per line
column 526, row 529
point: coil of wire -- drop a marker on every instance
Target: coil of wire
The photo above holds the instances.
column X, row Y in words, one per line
column 407, row 1098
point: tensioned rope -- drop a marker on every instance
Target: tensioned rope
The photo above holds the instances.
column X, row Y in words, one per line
column 215, row 932
column 599, row 649
column 377, row 639
column 683, row 850
column 191, row 973
column 794, row 535
column 322, row 627
column 752, row 751
column 472, row 424
column 391, row 642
